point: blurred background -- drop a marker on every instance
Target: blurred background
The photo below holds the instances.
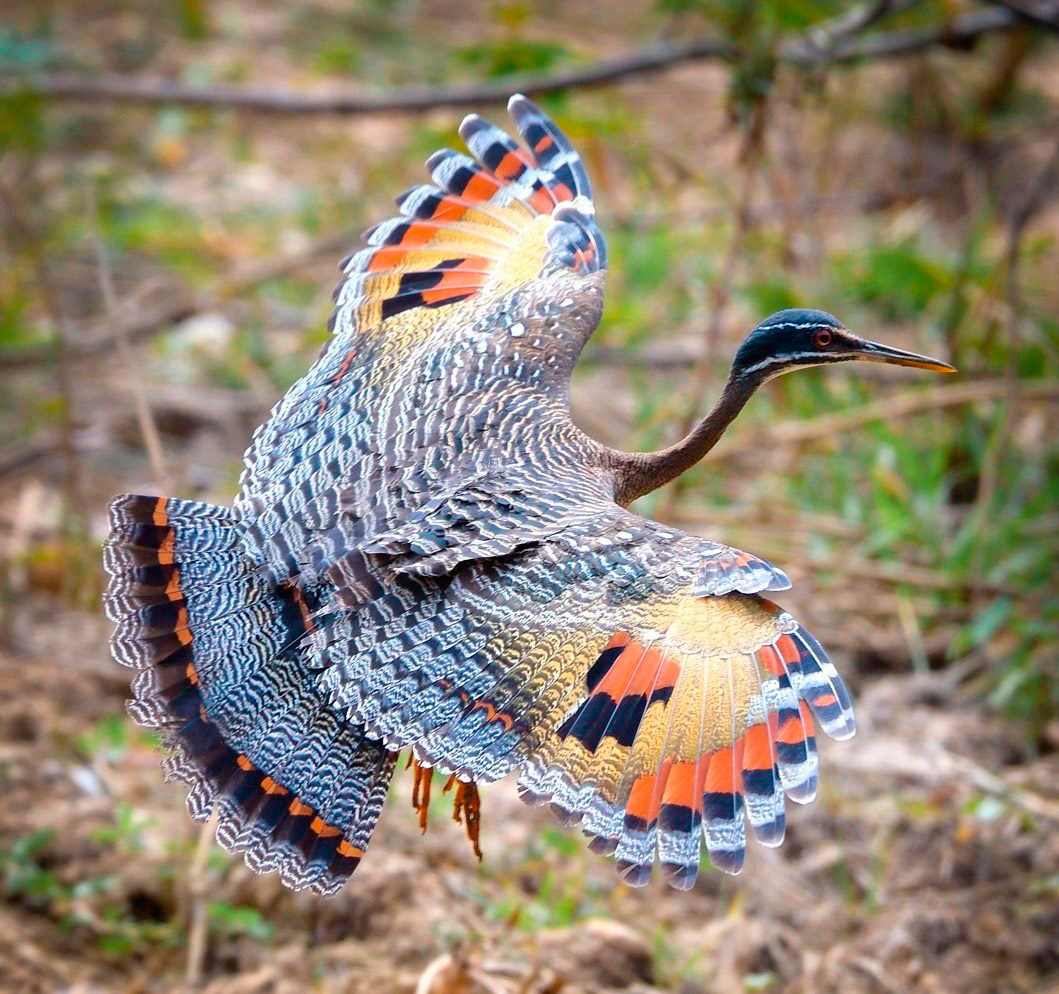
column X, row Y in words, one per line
column 177, row 183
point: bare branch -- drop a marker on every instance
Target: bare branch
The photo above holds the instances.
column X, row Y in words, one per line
column 143, row 90
column 821, row 39
column 59, row 350
column 960, row 34
column 1043, row 13
column 148, row 428
column 149, row 319
column 901, row 405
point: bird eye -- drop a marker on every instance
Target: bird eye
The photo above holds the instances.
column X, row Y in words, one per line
column 822, row 339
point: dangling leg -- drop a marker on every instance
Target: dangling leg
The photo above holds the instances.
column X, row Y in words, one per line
column 466, row 804
column 424, row 776
column 466, row 807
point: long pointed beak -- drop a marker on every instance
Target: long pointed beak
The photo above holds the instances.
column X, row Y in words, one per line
column 875, row 352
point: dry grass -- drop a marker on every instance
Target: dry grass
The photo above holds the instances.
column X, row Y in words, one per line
column 930, row 862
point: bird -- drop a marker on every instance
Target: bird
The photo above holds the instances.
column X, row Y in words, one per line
column 428, row 559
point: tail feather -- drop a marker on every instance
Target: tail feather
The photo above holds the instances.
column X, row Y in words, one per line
column 218, row 668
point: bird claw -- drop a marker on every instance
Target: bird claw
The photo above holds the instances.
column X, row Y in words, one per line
column 423, row 777
column 466, row 803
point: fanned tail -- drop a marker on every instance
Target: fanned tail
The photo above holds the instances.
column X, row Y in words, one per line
column 216, row 650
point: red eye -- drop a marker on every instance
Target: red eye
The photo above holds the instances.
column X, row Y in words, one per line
column 822, row 339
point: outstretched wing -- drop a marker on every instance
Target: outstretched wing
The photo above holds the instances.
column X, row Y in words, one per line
column 442, row 324
column 631, row 672
column 485, row 601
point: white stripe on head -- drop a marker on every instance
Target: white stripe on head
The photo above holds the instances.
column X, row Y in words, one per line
column 790, row 357
column 795, row 360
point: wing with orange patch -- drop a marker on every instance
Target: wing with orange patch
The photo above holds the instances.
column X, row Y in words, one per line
column 489, row 223
column 658, row 716
column 484, row 261
column 690, row 728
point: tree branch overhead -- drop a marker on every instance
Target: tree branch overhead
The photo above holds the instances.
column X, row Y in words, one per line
column 847, row 45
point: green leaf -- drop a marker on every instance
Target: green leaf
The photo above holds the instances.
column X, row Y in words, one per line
column 238, row 919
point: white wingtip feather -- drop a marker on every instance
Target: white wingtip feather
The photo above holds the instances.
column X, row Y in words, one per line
column 469, row 123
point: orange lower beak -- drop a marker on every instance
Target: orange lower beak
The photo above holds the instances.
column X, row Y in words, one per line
column 874, row 352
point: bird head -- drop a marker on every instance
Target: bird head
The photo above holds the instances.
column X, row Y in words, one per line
column 797, row 338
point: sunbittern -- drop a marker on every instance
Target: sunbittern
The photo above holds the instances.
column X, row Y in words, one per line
column 427, row 554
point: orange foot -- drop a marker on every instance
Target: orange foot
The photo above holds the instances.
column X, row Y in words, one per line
column 466, row 805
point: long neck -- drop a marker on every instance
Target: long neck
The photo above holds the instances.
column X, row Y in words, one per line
column 639, row 473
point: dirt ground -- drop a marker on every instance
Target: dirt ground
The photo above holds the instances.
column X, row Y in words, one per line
column 928, row 864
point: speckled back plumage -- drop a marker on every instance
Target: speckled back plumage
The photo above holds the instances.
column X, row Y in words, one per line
column 426, row 554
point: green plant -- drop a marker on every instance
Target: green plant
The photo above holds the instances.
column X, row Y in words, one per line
column 94, row 905
column 238, row 920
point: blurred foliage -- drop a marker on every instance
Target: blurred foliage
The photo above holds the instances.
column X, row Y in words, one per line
column 564, row 895
column 238, row 920
column 92, row 906
column 885, row 194
column 511, row 55
column 968, row 493
column 910, row 489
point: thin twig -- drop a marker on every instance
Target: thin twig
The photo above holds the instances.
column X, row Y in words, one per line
column 907, row 574
column 936, row 765
column 958, row 34
column 198, row 892
column 913, row 633
column 901, row 405
column 59, row 350
column 1045, row 182
column 146, row 321
column 821, row 40
column 16, row 460
column 1021, row 797
column 148, row 428
column 875, row 971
